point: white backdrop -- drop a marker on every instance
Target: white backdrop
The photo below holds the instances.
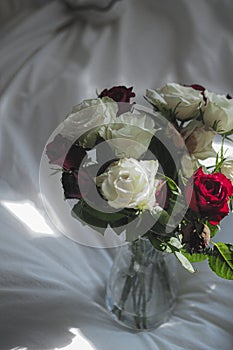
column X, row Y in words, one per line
column 51, row 288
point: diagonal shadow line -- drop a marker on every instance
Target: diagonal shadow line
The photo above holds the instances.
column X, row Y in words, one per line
column 92, row 7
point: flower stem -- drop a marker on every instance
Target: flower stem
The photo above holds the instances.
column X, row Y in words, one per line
column 134, row 286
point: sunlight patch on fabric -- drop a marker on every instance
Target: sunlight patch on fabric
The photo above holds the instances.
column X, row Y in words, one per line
column 29, row 216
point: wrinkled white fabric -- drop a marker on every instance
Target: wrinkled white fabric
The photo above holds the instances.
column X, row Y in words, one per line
column 51, row 288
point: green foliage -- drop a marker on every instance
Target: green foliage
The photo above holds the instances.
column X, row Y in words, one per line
column 172, row 245
column 173, row 186
column 195, row 257
column 184, row 261
column 56, row 171
column 217, row 126
column 99, row 220
column 156, row 242
column 220, row 157
column 229, row 133
column 161, row 242
column 221, row 261
column 89, row 216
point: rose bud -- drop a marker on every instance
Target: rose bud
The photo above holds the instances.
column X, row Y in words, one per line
column 205, row 234
column 195, row 242
column 118, row 93
column 122, row 95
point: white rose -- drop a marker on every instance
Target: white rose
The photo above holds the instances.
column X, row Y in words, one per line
column 129, row 135
column 219, row 111
column 185, row 101
column 198, row 139
column 227, row 169
column 87, row 116
column 129, row 183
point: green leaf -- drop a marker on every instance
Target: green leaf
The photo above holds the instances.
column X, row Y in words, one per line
column 81, row 212
column 56, row 170
column 217, row 126
column 161, row 230
column 184, row 262
column 195, row 257
column 156, row 242
column 171, row 246
column 101, row 219
column 221, row 261
column 175, row 242
column 120, row 223
column 173, row 186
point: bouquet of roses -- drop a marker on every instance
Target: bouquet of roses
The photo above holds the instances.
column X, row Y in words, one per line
column 144, row 173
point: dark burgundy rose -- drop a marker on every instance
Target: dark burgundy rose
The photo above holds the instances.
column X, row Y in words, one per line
column 74, row 157
column 208, row 195
column 76, row 184
column 118, row 93
column 65, row 154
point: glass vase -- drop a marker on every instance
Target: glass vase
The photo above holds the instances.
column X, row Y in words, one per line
column 142, row 286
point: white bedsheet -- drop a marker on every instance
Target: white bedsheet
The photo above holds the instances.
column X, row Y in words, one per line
column 51, row 288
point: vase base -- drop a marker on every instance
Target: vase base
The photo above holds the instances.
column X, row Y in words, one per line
column 135, row 322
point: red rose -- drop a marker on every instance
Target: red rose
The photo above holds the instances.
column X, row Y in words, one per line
column 208, row 195
column 118, row 93
column 61, row 152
